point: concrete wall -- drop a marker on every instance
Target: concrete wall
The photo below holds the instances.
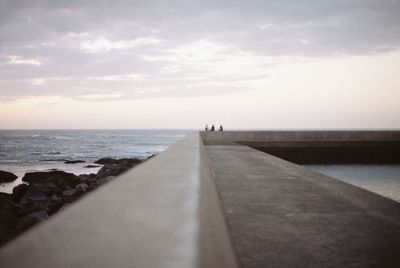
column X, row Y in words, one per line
column 317, row 147
column 163, row 213
column 264, row 136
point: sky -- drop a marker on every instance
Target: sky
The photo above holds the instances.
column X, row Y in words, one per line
column 257, row 64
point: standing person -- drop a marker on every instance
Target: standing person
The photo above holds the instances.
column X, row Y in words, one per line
column 221, row 128
column 206, row 128
column 212, row 127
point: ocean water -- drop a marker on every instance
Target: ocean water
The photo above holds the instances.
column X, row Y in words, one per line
column 381, row 179
column 24, row 151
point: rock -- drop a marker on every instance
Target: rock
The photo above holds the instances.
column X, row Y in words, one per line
column 41, row 215
column 30, row 220
column 105, row 160
column 59, row 178
column 33, row 194
column 7, row 221
column 5, row 196
column 4, row 237
column 54, row 160
column 28, row 208
column 117, row 167
column 84, row 178
column 91, row 166
column 71, row 195
column 51, row 191
column 55, row 206
column 19, row 191
column 82, row 186
column 47, row 188
column 55, row 198
column 7, row 205
column 6, row 176
column 151, row 156
column 74, row 161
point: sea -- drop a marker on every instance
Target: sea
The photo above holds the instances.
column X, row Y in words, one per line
column 381, row 179
column 23, row 151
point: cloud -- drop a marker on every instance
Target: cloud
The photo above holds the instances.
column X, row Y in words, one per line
column 177, row 48
column 120, row 77
column 20, row 60
column 103, row 45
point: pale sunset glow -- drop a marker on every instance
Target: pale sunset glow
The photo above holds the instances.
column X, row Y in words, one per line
column 146, row 64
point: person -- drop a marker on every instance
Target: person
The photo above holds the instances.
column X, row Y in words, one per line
column 221, row 128
column 212, row 127
column 206, row 129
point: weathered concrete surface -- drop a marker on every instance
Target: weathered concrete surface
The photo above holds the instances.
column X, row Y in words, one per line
column 163, row 213
column 282, row 215
column 293, row 135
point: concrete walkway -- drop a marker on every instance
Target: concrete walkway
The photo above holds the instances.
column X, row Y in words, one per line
column 282, row 215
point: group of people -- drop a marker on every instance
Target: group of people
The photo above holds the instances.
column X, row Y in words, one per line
column 213, row 128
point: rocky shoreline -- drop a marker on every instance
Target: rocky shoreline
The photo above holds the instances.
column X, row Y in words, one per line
column 46, row 192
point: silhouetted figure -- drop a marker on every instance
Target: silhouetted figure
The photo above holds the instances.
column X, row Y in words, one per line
column 212, row 127
column 221, row 128
column 206, row 128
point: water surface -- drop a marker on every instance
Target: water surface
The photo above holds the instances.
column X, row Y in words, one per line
column 24, row 151
column 381, row 179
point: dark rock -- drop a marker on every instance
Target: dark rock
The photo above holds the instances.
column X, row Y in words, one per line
column 47, row 188
column 71, row 195
column 55, row 198
column 7, row 221
column 19, row 191
column 123, row 161
column 5, row 196
column 4, row 237
column 74, row 161
column 28, row 208
column 6, row 176
column 117, row 167
column 84, row 178
column 108, row 170
column 59, row 178
column 30, row 220
column 82, row 186
column 91, row 166
column 41, row 215
column 129, row 161
column 33, row 194
column 105, row 160
column 7, row 204
column 54, row 160
column 55, row 206
column 51, row 191
column 151, row 156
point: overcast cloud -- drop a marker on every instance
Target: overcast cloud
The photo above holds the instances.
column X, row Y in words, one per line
column 95, row 50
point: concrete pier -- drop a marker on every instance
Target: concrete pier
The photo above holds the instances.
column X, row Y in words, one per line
column 282, row 215
column 212, row 201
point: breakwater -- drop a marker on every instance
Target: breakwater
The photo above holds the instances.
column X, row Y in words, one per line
column 210, row 201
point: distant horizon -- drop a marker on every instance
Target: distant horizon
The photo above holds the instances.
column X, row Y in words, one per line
column 232, row 129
